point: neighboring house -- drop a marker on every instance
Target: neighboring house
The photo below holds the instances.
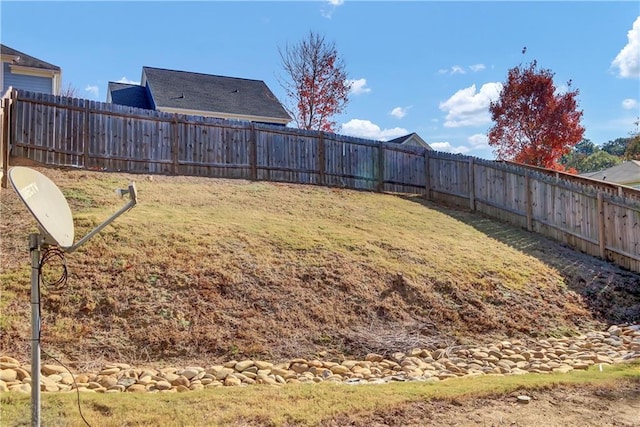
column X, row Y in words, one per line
column 412, row 139
column 184, row 92
column 22, row 71
column 627, row 173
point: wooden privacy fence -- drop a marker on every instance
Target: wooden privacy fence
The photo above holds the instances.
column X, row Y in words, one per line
column 595, row 217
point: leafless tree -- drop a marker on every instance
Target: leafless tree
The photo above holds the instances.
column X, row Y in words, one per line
column 316, row 82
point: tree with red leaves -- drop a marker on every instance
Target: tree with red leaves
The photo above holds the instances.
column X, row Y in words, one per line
column 317, row 85
column 534, row 123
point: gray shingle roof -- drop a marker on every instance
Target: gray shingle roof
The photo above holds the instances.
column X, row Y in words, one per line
column 129, row 94
column 27, row 60
column 405, row 138
column 218, row 94
column 400, row 139
column 624, row 173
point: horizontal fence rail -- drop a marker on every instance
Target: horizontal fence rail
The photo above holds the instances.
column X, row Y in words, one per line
column 595, row 217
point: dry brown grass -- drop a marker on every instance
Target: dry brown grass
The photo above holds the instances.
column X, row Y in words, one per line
column 209, row 269
column 607, row 398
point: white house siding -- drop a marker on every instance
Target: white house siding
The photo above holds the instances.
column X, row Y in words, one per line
column 21, row 81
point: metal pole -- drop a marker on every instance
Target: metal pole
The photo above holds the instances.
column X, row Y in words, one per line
column 35, row 241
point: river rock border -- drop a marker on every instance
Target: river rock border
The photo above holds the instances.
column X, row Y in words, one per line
column 619, row 344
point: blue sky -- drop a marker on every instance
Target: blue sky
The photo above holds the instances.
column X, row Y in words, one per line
column 417, row 66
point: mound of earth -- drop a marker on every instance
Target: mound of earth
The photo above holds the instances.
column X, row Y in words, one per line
column 204, row 270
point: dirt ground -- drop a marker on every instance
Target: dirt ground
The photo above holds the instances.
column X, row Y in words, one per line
column 562, row 407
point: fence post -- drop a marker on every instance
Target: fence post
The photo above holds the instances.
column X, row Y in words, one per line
column 5, row 134
column 528, row 200
column 321, row 170
column 427, row 175
column 3, row 142
column 601, row 226
column 380, row 186
column 472, row 186
column 175, row 146
column 85, row 136
column 253, row 152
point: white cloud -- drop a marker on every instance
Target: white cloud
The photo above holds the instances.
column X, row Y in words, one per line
column 359, row 86
column 447, row 147
column 628, row 59
column 399, row 112
column 327, row 11
column 457, row 69
column 629, row 104
column 367, row 129
column 478, row 141
column 126, row 80
column 93, row 90
column 470, row 108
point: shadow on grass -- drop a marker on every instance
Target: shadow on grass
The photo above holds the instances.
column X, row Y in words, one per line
column 611, row 293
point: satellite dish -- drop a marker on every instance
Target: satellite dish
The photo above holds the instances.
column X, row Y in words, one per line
column 46, row 203
column 49, row 207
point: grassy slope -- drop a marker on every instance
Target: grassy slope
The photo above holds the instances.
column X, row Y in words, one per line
column 206, row 269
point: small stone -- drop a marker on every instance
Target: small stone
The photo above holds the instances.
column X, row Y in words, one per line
column 374, row 357
column 163, row 385
column 136, row 388
column 243, row 365
column 126, row 382
column 8, row 375
column 339, row 369
column 349, row 363
column 299, row 368
column 263, row 365
column 52, row 369
column 82, row 378
column 232, row 381
column 9, row 365
column 524, row 399
column 11, row 360
column 21, row 388
column 223, row 373
column 108, row 381
column 110, row 371
column 180, row 381
column 190, row 373
column 439, row 354
column 279, row 371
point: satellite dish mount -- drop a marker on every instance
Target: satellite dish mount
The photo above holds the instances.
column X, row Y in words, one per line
column 49, row 207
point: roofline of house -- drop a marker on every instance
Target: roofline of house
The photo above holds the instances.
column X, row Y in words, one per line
column 55, row 75
column 227, row 116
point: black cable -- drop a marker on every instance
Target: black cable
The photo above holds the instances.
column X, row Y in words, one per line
column 74, row 383
column 50, row 253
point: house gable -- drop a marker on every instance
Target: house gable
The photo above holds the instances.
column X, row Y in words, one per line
column 23, row 71
column 413, row 139
column 128, row 94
